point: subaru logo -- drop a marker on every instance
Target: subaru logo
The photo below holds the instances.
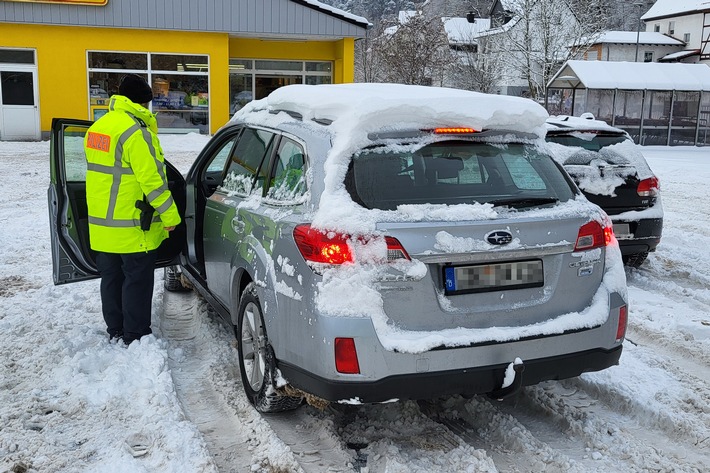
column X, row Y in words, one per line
column 499, row 237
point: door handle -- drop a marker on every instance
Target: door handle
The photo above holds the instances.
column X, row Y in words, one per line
column 238, row 225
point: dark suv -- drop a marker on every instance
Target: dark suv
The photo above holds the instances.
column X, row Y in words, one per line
column 612, row 173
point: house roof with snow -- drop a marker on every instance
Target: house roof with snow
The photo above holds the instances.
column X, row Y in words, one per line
column 629, row 37
column 460, row 31
column 632, row 76
column 671, row 8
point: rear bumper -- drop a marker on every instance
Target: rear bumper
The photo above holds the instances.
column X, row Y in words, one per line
column 468, row 381
column 646, row 235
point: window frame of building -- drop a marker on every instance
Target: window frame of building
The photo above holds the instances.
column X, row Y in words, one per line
column 6, row 56
column 686, row 38
column 648, row 56
column 671, row 27
column 251, row 79
column 657, row 28
column 177, row 111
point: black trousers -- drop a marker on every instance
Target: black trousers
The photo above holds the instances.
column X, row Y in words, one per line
column 127, row 292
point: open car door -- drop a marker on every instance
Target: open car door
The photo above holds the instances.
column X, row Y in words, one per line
column 72, row 258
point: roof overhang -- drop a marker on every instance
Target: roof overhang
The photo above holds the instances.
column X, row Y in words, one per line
column 631, row 76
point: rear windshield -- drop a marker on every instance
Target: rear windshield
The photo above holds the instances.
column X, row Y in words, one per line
column 460, row 172
column 594, row 148
column 590, row 141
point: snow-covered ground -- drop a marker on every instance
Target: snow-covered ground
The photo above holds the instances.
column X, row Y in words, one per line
column 70, row 401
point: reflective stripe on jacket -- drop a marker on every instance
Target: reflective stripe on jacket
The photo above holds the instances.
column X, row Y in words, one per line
column 124, row 163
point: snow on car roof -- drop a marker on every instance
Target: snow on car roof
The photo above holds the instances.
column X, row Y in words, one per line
column 585, row 122
column 363, row 108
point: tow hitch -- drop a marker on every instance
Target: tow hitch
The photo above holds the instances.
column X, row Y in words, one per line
column 512, row 381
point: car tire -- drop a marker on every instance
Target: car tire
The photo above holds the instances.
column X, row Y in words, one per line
column 172, row 280
column 257, row 362
column 635, row 260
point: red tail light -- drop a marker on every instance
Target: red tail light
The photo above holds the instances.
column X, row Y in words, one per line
column 319, row 247
column 648, row 187
column 395, row 250
column 346, row 356
column 623, row 320
column 593, row 235
column 333, row 248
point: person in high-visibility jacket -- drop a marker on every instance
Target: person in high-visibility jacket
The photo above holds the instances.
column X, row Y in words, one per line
column 126, row 183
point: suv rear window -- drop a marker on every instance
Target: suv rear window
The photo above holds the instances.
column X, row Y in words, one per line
column 590, row 141
column 452, row 173
column 594, row 147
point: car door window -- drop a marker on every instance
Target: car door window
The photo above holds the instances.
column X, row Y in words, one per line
column 246, row 172
column 74, row 157
column 288, row 181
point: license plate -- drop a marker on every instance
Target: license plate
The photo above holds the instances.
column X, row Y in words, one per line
column 493, row 277
column 622, row 231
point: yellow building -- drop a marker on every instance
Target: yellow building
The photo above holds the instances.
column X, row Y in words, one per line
column 204, row 58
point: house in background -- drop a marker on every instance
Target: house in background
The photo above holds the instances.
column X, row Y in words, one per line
column 632, row 46
column 527, row 41
column 685, row 20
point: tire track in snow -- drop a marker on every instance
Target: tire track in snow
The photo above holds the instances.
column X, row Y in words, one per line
column 203, row 362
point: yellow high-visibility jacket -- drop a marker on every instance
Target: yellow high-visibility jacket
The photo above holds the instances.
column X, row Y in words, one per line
column 125, row 163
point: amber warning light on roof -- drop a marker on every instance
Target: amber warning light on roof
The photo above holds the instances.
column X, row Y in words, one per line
column 98, row 3
column 454, row 131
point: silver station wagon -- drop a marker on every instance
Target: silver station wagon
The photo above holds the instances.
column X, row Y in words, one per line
column 374, row 242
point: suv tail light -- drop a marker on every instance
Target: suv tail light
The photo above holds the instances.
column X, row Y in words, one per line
column 593, row 235
column 317, row 246
column 648, row 187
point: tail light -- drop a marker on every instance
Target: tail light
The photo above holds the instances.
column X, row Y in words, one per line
column 594, row 235
column 648, row 187
column 623, row 321
column 317, row 246
column 346, row 356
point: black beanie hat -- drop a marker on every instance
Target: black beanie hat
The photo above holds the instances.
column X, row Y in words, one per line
column 136, row 89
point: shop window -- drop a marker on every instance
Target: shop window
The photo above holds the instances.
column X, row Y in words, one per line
column 240, row 89
column 181, row 101
column 179, row 82
column 315, row 80
column 175, row 62
column 319, row 67
column 255, row 79
column 17, row 56
column 111, row 60
column 279, row 65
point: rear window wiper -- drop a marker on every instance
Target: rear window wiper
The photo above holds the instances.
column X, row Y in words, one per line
column 524, row 202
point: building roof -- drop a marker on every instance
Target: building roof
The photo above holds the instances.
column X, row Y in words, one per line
column 247, row 18
column 460, row 31
column 629, row 37
column 680, row 55
column 632, row 76
column 671, row 8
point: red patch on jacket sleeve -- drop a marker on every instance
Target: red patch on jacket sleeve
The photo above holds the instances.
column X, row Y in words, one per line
column 98, row 141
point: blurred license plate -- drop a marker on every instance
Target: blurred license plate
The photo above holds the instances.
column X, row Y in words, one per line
column 492, row 277
column 622, row 231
